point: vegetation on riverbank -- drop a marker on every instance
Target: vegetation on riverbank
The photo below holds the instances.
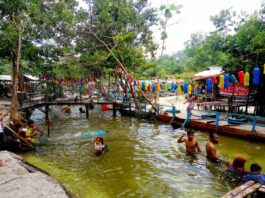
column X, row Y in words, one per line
column 61, row 39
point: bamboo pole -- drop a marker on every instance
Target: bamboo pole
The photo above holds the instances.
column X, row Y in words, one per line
column 123, row 69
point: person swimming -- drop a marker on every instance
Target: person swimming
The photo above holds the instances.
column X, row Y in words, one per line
column 81, row 110
column 67, row 109
column 99, row 146
column 236, row 170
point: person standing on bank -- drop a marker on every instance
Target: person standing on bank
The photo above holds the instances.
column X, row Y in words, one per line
column 190, row 107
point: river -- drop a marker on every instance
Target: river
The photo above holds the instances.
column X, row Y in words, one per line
column 144, row 159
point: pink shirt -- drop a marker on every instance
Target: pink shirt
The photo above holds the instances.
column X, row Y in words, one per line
column 191, row 103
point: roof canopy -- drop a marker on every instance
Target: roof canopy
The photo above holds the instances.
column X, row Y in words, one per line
column 5, row 77
column 211, row 72
column 8, row 77
column 30, row 77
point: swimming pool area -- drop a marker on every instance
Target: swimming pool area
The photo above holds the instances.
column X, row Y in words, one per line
column 144, row 158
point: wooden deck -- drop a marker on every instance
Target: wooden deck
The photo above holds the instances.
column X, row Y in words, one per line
column 209, row 126
column 247, row 189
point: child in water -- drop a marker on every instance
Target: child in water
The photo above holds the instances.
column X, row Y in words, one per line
column 99, row 146
column 81, row 110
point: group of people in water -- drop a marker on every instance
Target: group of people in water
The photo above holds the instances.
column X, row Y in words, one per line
column 29, row 131
column 20, row 134
column 235, row 170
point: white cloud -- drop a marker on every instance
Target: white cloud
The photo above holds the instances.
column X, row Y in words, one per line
column 195, row 17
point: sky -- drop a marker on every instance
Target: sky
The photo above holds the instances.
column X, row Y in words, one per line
column 195, row 17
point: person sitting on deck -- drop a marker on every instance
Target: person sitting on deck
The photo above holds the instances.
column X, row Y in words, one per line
column 99, row 146
column 190, row 107
column 192, row 145
column 211, row 150
column 76, row 98
column 67, row 109
column 255, row 174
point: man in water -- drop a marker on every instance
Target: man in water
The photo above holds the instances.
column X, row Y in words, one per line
column 67, row 109
column 192, row 145
column 211, row 150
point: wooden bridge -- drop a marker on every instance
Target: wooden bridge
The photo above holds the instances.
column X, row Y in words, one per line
column 32, row 101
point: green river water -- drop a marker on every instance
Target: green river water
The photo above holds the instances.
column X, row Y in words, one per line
column 144, row 159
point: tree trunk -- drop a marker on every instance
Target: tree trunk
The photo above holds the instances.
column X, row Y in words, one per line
column 14, row 87
column 15, row 68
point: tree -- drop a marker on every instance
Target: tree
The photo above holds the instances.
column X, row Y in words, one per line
column 224, row 21
column 27, row 27
column 166, row 12
column 124, row 26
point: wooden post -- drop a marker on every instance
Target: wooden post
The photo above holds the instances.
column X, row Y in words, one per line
column 174, row 111
column 87, row 111
column 114, row 109
column 109, row 89
column 47, row 119
column 254, row 122
column 121, row 108
column 216, row 120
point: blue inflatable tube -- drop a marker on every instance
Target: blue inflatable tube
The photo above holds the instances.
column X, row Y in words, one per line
column 93, row 133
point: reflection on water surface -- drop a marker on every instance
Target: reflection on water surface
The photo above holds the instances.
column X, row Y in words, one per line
column 144, row 159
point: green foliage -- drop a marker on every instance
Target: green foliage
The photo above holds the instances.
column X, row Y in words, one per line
column 42, row 27
column 244, row 49
column 224, row 22
column 166, row 13
column 123, row 26
column 170, row 64
column 57, row 38
column 4, row 66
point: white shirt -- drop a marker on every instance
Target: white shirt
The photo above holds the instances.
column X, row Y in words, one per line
column 99, row 147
